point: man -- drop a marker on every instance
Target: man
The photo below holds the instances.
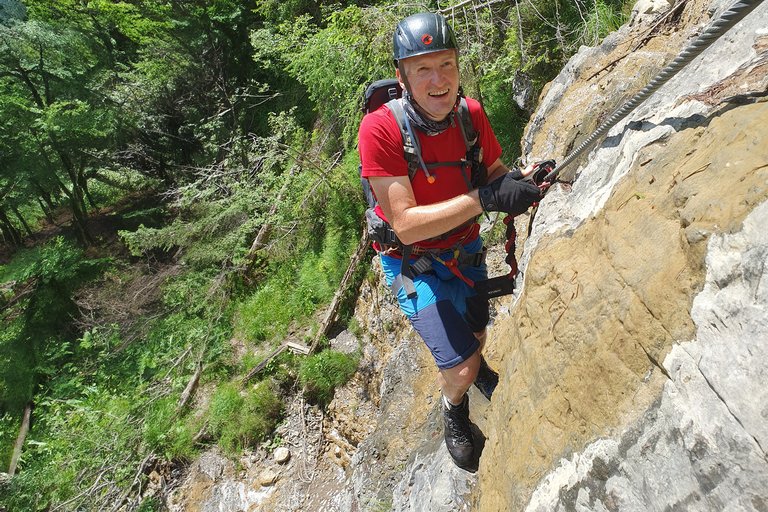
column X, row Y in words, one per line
column 434, row 211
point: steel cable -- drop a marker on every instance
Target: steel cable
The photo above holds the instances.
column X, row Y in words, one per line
column 724, row 23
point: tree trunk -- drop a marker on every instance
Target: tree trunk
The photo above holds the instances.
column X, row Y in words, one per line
column 82, row 180
column 20, row 439
column 44, row 193
column 263, row 234
column 80, row 219
column 48, row 213
column 186, row 395
column 11, row 234
column 77, row 201
column 330, row 315
column 18, row 215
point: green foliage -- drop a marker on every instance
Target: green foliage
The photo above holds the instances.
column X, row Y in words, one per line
column 335, row 63
column 241, row 420
column 322, row 373
column 603, row 18
column 150, row 505
column 167, row 434
column 507, row 118
column 36, row 339
column 21, row 266
column 305, row 269
column 9, row 428
column 282, row 370
column 61, row 262
column 221, row 212
column 543, row 36
column 86, row 436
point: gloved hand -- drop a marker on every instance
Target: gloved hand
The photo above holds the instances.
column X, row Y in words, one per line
column 508, row 195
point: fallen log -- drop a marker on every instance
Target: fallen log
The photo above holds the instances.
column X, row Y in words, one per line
column 330, row 315
column 256, row 369
column 23, row 431
column 191, row 387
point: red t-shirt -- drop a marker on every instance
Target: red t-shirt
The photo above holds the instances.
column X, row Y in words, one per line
column 381, row 154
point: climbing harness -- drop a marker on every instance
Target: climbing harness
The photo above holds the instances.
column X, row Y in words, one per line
column 725, row 22
column 545, row 173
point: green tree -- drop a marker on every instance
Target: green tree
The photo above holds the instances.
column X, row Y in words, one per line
column 45, row 73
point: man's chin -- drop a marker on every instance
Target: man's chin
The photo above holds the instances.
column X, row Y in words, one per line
column 438, row 114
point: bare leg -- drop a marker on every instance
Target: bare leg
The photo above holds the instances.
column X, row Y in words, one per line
column 456, row 381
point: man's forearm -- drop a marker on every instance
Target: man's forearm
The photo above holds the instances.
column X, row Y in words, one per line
column 428, row 221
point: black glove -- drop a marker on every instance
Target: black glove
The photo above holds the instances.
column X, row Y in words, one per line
column 508, row 195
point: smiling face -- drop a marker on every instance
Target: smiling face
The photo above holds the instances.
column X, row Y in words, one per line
column 433, row 81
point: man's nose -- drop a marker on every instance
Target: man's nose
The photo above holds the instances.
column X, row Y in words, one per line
column 437, row 76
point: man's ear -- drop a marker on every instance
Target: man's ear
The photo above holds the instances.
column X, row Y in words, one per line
column 399, row 77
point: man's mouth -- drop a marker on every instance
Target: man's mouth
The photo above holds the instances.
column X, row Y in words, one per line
column 439, row 93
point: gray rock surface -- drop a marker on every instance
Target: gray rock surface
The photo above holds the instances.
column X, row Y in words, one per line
column 700, row 447
column 212, row 485
column 653, row 254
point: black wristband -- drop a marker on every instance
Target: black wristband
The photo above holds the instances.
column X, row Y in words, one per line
column 487, row 198
column 516, row 174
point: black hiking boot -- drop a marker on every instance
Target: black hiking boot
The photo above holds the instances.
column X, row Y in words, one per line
column 486, row 380
column 458, row 434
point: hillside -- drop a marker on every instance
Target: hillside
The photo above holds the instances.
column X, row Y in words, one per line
column 211, row 212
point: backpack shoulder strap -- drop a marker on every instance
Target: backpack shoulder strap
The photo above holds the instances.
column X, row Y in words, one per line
column 411, row 148
column 465, row 123
column 471, row 142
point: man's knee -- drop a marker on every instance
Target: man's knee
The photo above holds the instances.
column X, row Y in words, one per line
column 463, row 374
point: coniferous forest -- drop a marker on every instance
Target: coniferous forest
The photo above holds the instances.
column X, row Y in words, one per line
column 179, row 194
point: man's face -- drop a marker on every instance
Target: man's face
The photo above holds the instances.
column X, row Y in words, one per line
column 434, row 82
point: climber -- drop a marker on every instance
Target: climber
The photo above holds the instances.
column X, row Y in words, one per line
column 433, row 212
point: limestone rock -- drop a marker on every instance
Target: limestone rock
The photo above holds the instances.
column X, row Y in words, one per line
column 633, row 370
column 700, row 447
column 345, row 342
column 212, row 484
column 268, row 477
column 282, row 455
column 651, row 6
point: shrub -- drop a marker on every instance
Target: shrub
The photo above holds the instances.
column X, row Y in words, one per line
column 240, row 419
column 322, row 373
column 165, row 433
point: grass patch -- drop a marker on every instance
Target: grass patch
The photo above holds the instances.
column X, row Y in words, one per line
column 19, row 268
column 166, row 433
column 322, row 373
column 242, row 419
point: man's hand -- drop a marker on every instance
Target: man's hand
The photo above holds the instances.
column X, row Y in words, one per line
column 508, row 195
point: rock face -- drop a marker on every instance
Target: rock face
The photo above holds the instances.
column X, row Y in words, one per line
column 634, row 361
column 700, row 446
